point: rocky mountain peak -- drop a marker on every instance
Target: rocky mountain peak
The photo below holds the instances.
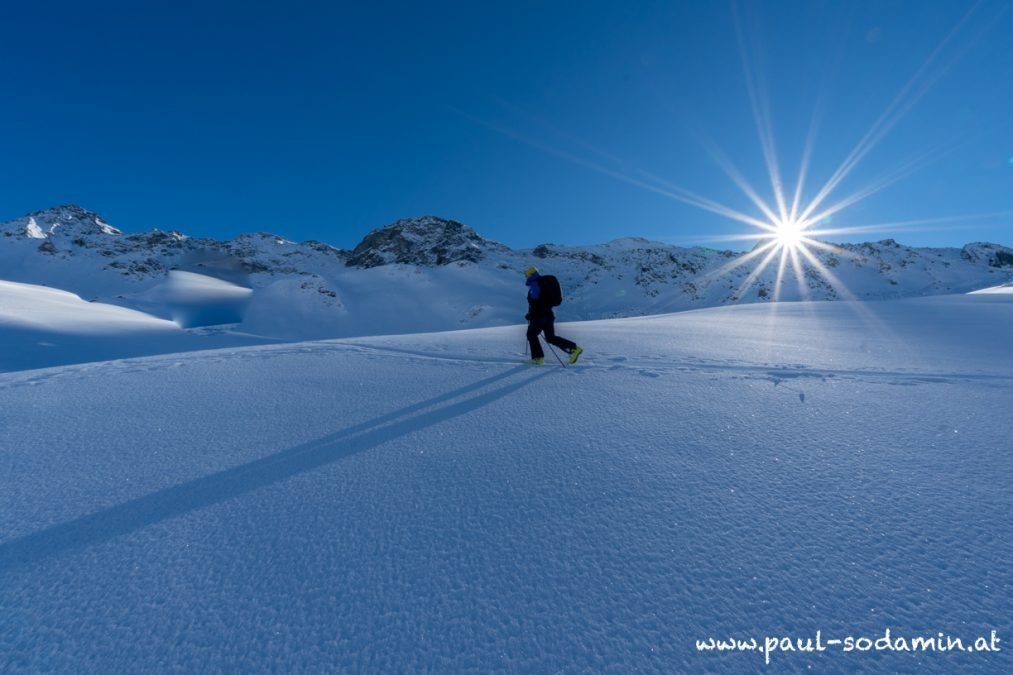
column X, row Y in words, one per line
column 67, row 219
column 427, row 241
column 996, row 255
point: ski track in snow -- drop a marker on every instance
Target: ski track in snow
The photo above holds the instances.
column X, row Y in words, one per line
column 646, row 365
column 424, row 503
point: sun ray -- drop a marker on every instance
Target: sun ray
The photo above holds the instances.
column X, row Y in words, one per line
column 912, row 225
column 553, row 129
column 775, row 303
column 735, row 263
column 829, row 247
column 831, row 68
column 780, row 274
column 659, row 186
column 719, row 238
column 736, row 177
column 802, row 171
column 860, row 309
column 754, row 275
column 895, row 111
column 835, row 249
column 836, row 284
column 884, row 182
column 760, row 103
column 687, row 197
column 800, row 277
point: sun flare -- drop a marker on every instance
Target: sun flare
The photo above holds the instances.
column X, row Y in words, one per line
column 788, row 233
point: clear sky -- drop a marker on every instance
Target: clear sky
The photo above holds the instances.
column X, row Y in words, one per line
column 531, row 121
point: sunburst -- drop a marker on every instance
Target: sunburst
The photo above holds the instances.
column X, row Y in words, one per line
column 789, row 228
column 789, row 233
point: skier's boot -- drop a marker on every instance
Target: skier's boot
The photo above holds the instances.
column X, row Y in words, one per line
column 535, row 362
column 575, row 354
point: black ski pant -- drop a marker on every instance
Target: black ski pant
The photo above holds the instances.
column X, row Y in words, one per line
column 545, row 323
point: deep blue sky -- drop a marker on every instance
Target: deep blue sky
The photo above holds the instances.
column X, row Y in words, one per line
column 326, row 120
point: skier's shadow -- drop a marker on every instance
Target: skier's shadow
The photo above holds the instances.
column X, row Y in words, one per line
column 141, row 512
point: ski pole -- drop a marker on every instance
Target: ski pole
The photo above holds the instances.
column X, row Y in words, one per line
column 553, row 350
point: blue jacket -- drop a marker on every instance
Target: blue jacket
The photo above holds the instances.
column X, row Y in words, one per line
column 537, row 308
column 534, row 288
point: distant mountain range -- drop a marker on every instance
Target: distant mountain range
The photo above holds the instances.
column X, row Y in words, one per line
column 430, row 273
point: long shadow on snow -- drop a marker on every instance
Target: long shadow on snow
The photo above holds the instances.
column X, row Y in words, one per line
column 141, row 512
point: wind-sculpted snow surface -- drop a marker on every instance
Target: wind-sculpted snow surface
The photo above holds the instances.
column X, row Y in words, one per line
column 425, row 504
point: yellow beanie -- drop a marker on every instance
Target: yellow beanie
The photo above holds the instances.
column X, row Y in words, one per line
column 531, row 270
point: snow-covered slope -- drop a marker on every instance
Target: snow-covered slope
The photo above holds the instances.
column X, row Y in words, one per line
column 41, row 327
column 423, row 504
column 435, row 274
column 1002, row 288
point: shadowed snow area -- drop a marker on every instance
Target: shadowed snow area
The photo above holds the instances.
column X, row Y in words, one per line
column 42, row 327
column 424, row 503
column 199, row 300
column 26, row 306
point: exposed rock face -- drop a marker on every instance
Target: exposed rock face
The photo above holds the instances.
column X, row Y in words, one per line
column 997, row 256
column 422, row 241
column 67, row 223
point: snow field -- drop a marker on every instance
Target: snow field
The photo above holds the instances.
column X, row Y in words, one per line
column 423, row 503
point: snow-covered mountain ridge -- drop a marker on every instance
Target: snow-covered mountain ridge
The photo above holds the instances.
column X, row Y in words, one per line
column 430, row 273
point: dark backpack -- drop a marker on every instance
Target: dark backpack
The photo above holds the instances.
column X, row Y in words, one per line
column 552, row 294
